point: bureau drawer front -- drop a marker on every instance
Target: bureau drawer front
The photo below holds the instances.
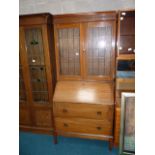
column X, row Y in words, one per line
column 91, row 111
column 88, row 126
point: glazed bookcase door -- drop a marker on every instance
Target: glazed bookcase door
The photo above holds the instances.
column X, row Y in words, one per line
column 39, row 72
column 68, row 51
column 36, row 63
column 100, row 50
column 126, row 32
column 24, row 108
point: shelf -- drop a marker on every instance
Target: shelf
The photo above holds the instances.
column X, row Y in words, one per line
column 126, row 57
column 127, row 34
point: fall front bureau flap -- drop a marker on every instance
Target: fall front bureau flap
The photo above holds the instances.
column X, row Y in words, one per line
column 84, row 92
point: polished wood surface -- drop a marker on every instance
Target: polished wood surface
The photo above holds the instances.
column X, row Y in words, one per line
column 126, row 57
column 117, row 126
column 99, row 112
column 89, row 126
column 84, row 92
column 84, row 109
column 85, row 17
column 125, row 83
column 35, row 19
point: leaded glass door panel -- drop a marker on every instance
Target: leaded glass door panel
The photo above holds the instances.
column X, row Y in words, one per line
column 68, row 51
column 99, row 52
column 37, row 66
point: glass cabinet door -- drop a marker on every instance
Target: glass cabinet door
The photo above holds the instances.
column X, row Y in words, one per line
column 127, row 32
column 99, row 50
column 68, row 39
column 36, row 62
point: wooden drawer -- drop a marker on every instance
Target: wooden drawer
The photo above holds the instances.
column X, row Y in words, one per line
column 87, row 126
column 92, row 111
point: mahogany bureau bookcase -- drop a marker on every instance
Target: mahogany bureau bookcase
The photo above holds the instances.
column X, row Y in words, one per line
column 37, row 73
column 83, row 102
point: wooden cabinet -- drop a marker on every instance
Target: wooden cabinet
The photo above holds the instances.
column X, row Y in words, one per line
column 37, row 73
column 85, row 48
column 84, row 109
column 126, row 32
column 85, row 62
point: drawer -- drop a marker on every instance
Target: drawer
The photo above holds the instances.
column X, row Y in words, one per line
column 92, row 111
column 87, row 126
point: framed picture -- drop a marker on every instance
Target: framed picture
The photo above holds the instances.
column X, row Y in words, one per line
column 127, row 132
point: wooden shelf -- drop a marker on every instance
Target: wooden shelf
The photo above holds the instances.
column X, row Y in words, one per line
column 126, row 57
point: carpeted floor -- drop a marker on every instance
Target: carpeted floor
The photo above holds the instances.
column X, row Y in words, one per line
column 37, row 144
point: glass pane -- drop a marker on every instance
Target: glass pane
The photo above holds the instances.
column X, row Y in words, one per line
column 99, row 50
column 129, row 127
column 22, row 92
column 41, row 97
column 69, row 51
column 39, row 83
column 34, row 45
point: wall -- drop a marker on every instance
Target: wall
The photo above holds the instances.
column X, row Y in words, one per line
column 72, row 6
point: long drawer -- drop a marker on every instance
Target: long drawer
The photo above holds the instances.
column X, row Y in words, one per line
column 88, row 126
column 91, row 111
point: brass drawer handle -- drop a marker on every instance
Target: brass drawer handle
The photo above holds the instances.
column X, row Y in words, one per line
column 99, row 113
column 65, row 125
column 98, row 128
column 65, row 110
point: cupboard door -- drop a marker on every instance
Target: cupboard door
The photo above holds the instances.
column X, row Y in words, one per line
column 68, row 51
column 36, row 63
column 126, row 32
column 100, row 47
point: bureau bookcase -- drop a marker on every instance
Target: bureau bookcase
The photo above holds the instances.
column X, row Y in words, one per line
column 37, row 73
column 85, row 63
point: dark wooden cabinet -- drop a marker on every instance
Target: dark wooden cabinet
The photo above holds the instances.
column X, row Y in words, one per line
column 37, row 73
column 126, row 32
column 125, row 63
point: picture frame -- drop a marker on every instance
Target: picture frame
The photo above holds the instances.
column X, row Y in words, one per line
column 127, row 130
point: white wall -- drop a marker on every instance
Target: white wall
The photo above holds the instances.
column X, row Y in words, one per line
column 72, row 6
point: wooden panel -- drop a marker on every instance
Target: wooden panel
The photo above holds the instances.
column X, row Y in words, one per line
column 127, row 44
column 22, row 90
column 24, row 116
column 125, row 83
column 42, row 117
column 38, row 130
column 83, row 111
column 85, row 135
column 84, row 92
column 126, row 57
column 85, row 17
column 35, row 19
column 117, row 126
column 84, row 126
